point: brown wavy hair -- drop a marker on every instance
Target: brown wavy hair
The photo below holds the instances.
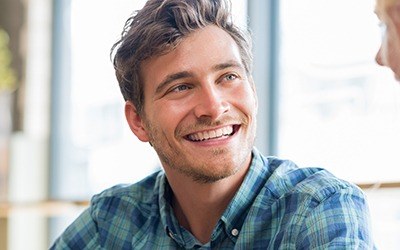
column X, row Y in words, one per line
column 159, row 27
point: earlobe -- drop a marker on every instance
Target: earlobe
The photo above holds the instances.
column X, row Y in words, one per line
column 135, row 122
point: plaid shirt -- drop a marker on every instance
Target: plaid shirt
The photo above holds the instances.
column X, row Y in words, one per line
column 278, row 206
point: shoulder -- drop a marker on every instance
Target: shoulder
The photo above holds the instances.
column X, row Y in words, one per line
column 115, row 215
column 317, row 184
column 318, row 208
column 123, row 198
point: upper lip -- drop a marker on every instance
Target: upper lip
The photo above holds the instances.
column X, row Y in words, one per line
column 211, row 133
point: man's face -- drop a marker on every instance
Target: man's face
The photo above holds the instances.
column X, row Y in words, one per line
column 389, row 52
column 200, row 107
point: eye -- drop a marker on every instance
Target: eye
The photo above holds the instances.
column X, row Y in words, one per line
column 230, row 77
column 180, row 88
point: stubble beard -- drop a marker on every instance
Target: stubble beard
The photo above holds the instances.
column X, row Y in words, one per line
column 202, row 172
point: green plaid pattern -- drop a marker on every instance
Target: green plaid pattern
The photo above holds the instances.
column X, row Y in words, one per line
column 278, row 206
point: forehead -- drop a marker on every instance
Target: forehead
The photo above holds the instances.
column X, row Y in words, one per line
column 204, row 47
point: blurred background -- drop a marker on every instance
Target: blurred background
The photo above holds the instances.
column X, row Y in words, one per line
column 63, row 137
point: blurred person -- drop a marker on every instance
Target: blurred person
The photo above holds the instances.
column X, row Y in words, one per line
column 388, row 11
column 184, row 69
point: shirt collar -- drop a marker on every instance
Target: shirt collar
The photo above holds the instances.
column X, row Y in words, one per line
column 237, row 210
column 235, row 213
column 168, row 219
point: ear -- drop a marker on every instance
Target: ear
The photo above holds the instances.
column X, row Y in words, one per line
column 252, row 84
column 253, row 87
column 135, row 122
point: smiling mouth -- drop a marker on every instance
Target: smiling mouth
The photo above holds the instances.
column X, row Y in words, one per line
column 218, row 133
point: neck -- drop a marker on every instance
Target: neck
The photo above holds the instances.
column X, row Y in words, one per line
column 199, row 206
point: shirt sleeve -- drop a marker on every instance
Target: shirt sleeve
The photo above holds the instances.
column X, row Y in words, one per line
column 341, row 221
column 81, row 234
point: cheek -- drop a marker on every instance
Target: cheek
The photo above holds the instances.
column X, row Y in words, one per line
column 396, row 49
column 168, row 116
column 392, row 52
column 246, row 100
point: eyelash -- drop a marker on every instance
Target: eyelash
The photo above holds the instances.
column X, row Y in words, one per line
column 178, row 88
column 230, row 75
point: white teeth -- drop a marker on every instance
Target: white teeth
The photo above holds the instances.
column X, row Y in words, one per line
column 211, row 134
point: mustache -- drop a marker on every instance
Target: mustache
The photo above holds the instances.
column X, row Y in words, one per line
column 205, row 123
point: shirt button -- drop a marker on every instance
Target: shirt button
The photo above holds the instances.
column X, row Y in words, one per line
column 235, row 232
column 171, row 234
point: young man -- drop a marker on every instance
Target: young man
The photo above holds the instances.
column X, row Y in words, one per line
column 184, row 70
column 388, row 11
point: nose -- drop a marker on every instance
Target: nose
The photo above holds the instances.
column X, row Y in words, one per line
column 211, row 103
column 378, row 57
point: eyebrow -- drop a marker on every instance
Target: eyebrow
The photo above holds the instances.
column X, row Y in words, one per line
column 186, row 74
column 228, row 64
column 172, row 77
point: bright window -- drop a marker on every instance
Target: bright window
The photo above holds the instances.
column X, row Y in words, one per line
column 338, row 109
